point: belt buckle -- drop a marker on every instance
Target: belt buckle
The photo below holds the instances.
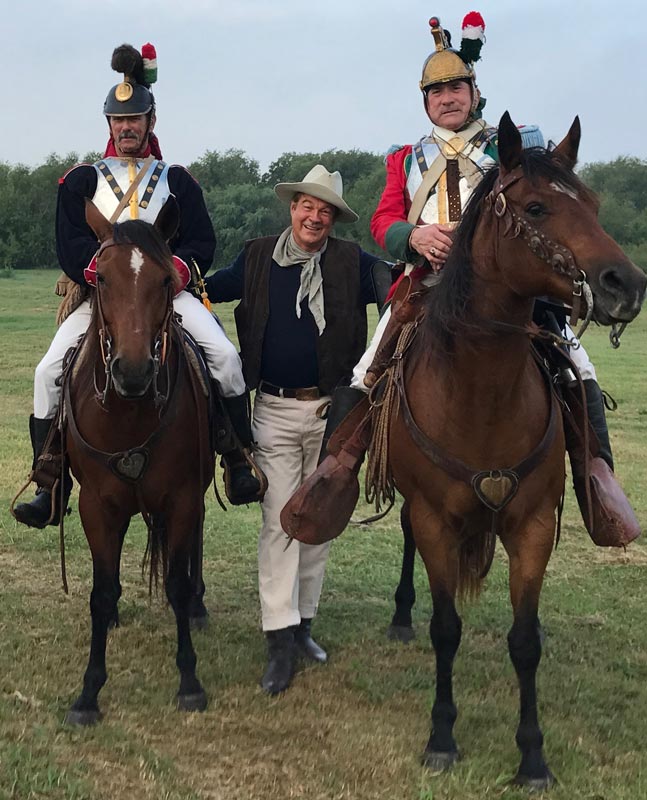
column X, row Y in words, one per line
column 307, row 394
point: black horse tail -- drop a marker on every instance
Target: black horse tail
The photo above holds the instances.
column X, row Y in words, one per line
column 474, row 562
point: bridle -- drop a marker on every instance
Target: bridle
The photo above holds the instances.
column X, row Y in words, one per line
column 556, row 255
column 559, row 258
column 161, row 346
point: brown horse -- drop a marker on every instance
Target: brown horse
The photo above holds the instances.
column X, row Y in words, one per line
column 477, row 446
column 137, row 437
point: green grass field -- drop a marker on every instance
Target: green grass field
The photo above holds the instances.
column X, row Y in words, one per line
column 354, row 728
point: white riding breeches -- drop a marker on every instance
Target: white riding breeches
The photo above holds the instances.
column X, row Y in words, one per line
column 578, row 355
column 222, row 359
column 360, row 369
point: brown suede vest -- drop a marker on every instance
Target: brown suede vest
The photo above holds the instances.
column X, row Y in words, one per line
column 344, row 338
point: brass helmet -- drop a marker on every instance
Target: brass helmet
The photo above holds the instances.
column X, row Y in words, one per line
column 133, row 95
column 446, row 64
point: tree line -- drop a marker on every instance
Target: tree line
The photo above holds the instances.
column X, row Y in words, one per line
column 242, row 203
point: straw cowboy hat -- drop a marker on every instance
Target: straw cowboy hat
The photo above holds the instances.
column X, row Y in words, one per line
column 323, row 185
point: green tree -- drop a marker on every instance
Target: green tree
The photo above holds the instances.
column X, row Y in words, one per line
column 219, row 170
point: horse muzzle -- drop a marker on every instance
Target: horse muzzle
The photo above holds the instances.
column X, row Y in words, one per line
column 132, row 380
column 618, row 293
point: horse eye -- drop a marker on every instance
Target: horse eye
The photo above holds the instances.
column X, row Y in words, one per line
column 535, row 210
column 100, row 278
column 167, row 281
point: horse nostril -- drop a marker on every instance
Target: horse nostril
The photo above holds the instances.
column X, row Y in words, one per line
column 611, row 282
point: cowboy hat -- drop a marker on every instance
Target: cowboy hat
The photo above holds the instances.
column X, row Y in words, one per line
column 323, row 185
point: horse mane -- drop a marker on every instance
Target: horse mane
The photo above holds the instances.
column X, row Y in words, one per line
column 448, row 304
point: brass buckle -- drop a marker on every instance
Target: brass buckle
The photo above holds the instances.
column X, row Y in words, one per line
column 311, row 393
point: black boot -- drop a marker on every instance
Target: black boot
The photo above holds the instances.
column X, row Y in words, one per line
column 598, row 420
column 281, row 658
column 241, row 485
column 37, row 513
column 612, row 522
column 575, row 442
column 344, row 401
column 307, row 645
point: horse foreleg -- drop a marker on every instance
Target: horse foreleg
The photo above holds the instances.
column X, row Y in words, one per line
column 191, row 696
column 198, row 614
column 105, row 547
column 445, row 631
column 114, row 622
column 527, row 566
column 441, row 562
column 401, row 628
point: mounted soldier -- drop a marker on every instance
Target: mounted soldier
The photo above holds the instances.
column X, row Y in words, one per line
column 427, row 187
column 132, row 181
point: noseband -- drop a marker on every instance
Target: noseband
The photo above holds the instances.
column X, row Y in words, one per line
column 558, row 257
column 160, row 348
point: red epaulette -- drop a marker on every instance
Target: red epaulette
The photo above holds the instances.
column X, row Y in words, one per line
column 71, row 169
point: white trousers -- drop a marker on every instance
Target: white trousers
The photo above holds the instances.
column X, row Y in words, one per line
column 223, row 360
column 578, row 355
column 287, row 435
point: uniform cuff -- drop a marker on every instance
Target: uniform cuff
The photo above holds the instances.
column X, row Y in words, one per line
column 397, row 240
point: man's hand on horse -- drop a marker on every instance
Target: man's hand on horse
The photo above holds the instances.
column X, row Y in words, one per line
column 433, row 243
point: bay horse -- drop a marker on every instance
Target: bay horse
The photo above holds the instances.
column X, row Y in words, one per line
column 473, row 402
column 137, row 437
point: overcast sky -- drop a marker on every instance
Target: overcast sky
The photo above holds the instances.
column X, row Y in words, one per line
column 271, row 76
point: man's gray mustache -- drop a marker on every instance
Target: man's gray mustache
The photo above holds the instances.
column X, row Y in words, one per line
column 126, row 135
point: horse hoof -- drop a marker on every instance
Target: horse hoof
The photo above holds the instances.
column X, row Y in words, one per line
column 85, row 718
column 535, row 784
column 192, row 702
column 439, row 761
column 401, row 633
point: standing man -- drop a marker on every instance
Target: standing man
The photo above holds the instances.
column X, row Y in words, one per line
column 302, row 326
column 132, row 182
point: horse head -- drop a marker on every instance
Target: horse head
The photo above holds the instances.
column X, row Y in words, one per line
column 136, row 282
column 544, row 208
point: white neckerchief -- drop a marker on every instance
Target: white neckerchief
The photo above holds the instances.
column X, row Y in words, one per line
column 287, row 253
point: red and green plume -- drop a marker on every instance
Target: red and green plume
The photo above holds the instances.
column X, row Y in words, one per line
column 473, row 37
column 150, row 63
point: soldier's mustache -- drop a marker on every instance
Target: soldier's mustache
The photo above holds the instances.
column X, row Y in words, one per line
column 127, row 135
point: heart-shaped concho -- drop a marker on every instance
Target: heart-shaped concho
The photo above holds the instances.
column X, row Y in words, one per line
column 495, row 488
column 130, row 465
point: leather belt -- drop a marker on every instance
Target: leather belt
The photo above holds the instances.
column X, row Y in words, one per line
column 309, row 393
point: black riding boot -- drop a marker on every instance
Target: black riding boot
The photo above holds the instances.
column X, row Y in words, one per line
column 38, row 511
column 281, row 658
column 574, row 444
column 612, row 522
column 241, row 485
column 344, row 400
column 598, row 420
column 307, row 645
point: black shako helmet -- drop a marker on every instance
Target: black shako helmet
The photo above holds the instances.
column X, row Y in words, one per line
column 133, row 95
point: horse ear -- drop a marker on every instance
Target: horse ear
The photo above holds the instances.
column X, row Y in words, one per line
column 509, row 144
column 100, row 225
column 570, row 144
column 168, row 219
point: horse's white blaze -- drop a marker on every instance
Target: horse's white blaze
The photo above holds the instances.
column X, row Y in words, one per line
column 136, row 261
column 559, row 187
